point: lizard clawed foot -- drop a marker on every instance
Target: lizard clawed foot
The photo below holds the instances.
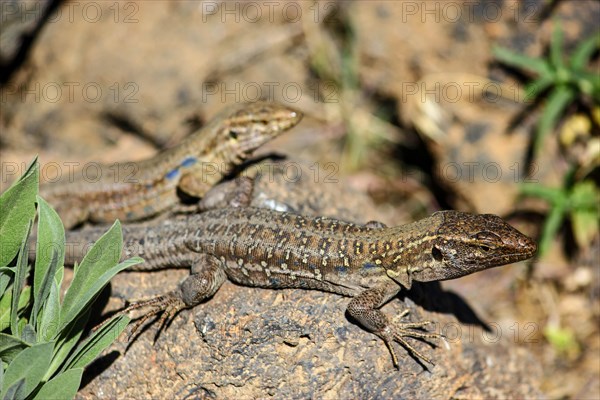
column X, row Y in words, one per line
column 398, row 331
column 169, row 305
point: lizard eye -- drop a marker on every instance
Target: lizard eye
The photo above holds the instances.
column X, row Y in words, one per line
column 437, row 254
column 486, row 236
column 233, row 135
column 487, row 240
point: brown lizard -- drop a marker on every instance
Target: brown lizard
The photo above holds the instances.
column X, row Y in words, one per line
column 264, row 248
column 137, row 190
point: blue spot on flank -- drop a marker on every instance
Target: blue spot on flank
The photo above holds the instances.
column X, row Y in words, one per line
column 369, row 266
column 188, row 162
column 173, row 174
column 130, row 214
column 274, row 281
column 341, row 269
column 148, row 209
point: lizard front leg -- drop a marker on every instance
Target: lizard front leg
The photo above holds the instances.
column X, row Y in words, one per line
column 365, row 309
column 234, row 193
column 206, row 277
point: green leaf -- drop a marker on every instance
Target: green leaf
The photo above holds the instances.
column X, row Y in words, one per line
column 585, row 226
column 582, row 54
column 15, row 392
column 556, row 47
column 94, row 272
column 20, row 276
column 63, row 386
column 585, row 195
column 536, row 65
column 30, row 364
column 28, row 334
column 558, row 100
column 6, row 300
column 562, row 339
column 5, row 277
column 551, row 226
column 585, row 214
column 49, row 254
column 588, row 83
column 537, row 87
column 10, row 346
column 58, row 277
column 551, row 195
column 18, row 208
column 67, row 340
column 87, row 351
column 50, row 317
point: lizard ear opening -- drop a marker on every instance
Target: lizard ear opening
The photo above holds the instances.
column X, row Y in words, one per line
column 437, row 254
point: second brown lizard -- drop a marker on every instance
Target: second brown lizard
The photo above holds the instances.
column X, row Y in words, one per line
column 137, row 190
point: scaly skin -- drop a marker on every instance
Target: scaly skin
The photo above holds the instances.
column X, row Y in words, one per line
column 137, row 190
column 370, row 263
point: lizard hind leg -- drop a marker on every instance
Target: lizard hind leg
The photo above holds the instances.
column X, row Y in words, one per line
column 207, row 276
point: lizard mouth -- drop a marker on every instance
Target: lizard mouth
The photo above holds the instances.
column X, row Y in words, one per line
column 504, row 259
column 468, row 266
column 249, row 145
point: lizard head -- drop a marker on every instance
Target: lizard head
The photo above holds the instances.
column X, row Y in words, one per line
column 466, row 243
column 245, row 127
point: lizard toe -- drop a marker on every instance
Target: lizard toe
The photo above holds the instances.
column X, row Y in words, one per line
column 398, row 332
column 169, row 305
